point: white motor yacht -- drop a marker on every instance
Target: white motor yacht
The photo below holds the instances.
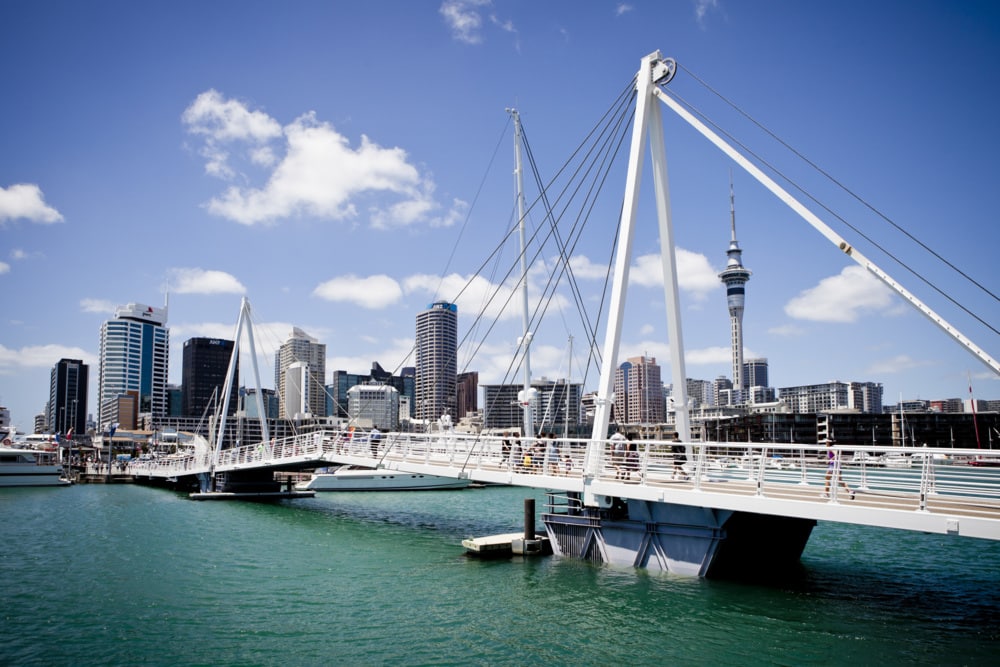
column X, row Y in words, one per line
column 30, row 467
column 357, row 478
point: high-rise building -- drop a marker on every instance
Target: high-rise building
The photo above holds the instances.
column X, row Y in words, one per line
column 755, row 373
column 437, row 365
column 374, row 404
column 134, row 357
column 203, row 376
column 67, row 407
column 859, row 396
column 722, row 388
column 550, row 407
column 639, row 392
column 735, row 278
column 336, row 398
column 302, row 348
column 466, row 394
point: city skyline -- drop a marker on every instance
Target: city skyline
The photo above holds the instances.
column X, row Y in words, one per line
column 342, row 198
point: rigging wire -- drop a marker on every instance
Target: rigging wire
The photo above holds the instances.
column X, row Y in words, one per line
column 839, row 184
column 615, row 114
column 610, row 150
column 694, row 110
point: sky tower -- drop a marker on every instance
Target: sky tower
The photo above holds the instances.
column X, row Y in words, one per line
column 735, row 278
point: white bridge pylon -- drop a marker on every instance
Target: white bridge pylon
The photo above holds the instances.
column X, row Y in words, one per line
column 656, row 71
column 243, row 323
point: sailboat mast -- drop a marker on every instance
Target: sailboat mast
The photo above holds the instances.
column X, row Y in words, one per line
column 526, row 394
column 569, row 373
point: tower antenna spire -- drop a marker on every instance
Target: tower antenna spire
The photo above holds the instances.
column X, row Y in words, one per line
column 735, row 278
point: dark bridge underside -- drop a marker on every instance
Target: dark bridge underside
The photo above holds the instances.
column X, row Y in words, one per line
column 679, row 538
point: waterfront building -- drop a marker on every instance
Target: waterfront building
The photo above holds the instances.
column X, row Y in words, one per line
column 436, row 351
column 134, row 358
column 700, row 393
column 857, row 396
column 553, row 401
column 249, row 400
column 373, row 404
column 951, row 405
column 722, row 391
column 302, row 348
column 466, row 394
column 638, row 390
column 175, row 400
column 295, row 400
column 755, row 373
column 735, row 278
column 755, row 396
column 865, row 396
column 204, row 368
column 67, row 406
column 404, row 383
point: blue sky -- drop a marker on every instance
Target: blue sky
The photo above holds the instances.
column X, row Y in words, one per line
column 334, row 162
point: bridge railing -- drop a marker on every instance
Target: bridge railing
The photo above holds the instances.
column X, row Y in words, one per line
column 884, row 474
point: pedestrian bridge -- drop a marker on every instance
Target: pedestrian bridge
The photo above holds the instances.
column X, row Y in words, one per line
column 933, row 490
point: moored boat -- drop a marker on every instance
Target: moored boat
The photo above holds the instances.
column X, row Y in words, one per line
column 985, row 462
column 357, row 478
column 29, row 467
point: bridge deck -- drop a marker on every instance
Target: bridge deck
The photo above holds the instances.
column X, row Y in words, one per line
column 933, row 490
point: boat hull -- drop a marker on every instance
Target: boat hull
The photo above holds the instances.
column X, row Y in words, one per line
column 20, row 467
column 379, row 480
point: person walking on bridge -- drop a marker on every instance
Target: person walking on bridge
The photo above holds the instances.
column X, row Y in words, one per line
column 833, row 470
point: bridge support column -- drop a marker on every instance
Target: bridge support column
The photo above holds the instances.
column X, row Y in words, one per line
column 681, row 539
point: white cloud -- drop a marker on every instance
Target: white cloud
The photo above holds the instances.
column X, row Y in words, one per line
column 40, row 356
column 789, row 330
column 896, row 364
column 201, row 281
column 225, row 120
column 97, row 306
column 622, row 8
column 373, row 292
column 478, row 294
column 398, row 353
column 506, row 26
column 584, row 268
column 709, row 355
column 841, row 298
column 695, row 274
column 4, row 268
column 25, row 200
column 701, row 8
column 463, row 19
column 316, row 172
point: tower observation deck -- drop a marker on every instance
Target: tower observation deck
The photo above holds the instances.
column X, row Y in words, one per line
column 735, row 278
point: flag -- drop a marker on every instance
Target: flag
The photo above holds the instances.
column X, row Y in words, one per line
column 69, row 434
column 112, row 428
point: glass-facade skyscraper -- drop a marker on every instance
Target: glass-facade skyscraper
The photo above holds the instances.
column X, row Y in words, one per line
column 437, row 364
column 67, row 406
column 134, row 356
column 203, row 374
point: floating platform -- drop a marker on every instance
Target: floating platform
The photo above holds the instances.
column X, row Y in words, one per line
column 251, row 495
column 507, row 545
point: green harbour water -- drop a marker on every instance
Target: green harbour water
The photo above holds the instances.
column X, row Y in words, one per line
column 131, row 575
